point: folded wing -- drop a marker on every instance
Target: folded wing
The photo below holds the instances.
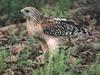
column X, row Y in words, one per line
column 62, row 28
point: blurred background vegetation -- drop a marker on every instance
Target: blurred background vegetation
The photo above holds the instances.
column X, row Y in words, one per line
column 70, row 9
column 24, row 50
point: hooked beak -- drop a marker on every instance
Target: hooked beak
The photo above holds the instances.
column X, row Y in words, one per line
column 22, row 12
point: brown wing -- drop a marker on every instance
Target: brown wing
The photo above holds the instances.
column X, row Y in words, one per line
column 61, row 28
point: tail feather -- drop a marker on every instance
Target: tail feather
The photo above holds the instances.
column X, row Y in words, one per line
column 85, row 31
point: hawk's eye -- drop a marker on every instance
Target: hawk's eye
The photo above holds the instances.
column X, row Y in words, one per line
column 27, row 11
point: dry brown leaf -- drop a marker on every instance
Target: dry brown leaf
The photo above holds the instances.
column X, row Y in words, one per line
column 1, row 34
column 8, row 72
column 5, row 73
column 72, row 60
column 3, row 39
column 11, row 59
column 16, row 48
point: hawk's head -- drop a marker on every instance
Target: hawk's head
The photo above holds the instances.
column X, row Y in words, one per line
column 31, row 13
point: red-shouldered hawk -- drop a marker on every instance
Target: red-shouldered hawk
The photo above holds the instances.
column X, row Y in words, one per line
column 50, row 30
